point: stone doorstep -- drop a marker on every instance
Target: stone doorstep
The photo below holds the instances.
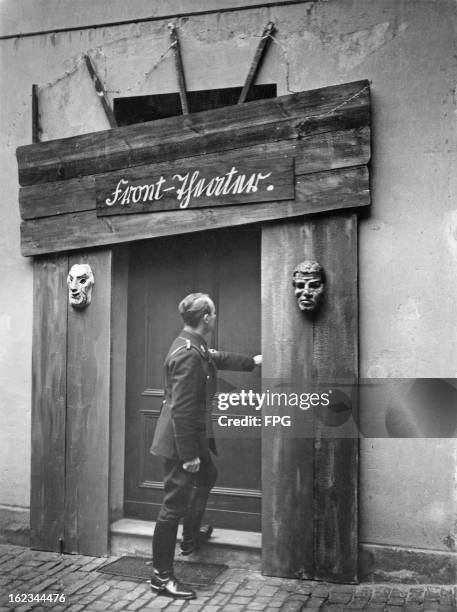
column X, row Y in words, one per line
column 234, row 548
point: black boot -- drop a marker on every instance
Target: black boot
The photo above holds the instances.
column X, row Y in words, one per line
column 163, row 547
column 163, row 581
column 170, row 586
column 193, row 535
column 190, row 544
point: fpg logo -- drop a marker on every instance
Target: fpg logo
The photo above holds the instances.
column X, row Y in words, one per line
column 274, row 420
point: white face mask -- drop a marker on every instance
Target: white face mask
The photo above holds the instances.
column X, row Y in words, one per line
column 80, row 281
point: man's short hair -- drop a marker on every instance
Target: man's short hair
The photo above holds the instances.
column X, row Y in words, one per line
column 194, row 307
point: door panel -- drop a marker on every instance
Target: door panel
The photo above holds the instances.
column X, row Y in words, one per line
column 226, row 265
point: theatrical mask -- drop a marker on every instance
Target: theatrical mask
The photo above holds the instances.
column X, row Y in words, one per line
column 309, row 283
column 80, row 281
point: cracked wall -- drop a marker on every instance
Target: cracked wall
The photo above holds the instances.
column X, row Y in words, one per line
column 408, row 244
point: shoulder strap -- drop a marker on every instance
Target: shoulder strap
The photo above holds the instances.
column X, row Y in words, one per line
column 188, row 346
column 181, row 346
column 187, row 341
column 200, row 349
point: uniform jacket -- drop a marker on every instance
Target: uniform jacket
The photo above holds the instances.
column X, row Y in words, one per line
column 184, row 428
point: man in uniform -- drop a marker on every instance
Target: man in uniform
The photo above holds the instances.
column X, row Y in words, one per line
column 184, row 438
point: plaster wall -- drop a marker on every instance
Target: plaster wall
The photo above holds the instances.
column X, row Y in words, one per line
column 45, row 15
column 408, row 243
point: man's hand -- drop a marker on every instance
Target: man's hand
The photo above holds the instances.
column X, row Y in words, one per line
column 192, row 466
column 257, row 359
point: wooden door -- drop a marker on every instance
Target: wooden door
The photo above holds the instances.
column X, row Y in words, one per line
column 226, row 265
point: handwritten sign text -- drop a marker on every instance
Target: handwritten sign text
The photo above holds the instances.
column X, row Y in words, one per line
column 143, row 189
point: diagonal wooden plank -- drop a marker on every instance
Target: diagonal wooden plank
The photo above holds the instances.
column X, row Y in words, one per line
column 35, row 115
column 179, row 68
column 100, row 91
column 257, row 61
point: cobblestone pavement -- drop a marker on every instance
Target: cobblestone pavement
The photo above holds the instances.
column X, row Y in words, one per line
column 75, row 579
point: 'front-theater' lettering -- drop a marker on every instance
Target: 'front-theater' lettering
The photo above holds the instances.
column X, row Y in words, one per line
column 187, row 187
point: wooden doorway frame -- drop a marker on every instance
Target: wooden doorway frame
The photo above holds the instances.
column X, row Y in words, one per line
column 78, row 367
column 290, row 549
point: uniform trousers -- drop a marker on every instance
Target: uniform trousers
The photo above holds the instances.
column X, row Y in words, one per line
column 186, row 496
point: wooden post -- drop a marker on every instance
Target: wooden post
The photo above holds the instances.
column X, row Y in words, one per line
column 287, row 462
column 257, row 61
column 100, row 91
column 310, row 486
column 88, row 414
column 333, row 241
column 179, row 68
column 49, row 388
column 35, row 115
column 119, row 305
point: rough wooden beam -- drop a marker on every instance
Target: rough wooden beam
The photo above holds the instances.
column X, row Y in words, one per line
column 257, row 61
column 179, row 68
column 314, row 193
column 287, row 461
column 88, row 414
column 310, row 486
column 35, row 115
column 100, row 91
column 328, row 151
column 333, row 242
column 294, row 116
column 49, row 389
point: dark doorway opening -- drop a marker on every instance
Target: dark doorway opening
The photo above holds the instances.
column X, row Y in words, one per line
column 226, row 265
column 138, row 109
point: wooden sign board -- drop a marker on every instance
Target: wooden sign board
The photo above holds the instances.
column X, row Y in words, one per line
column 189, row 171
column 225, row 182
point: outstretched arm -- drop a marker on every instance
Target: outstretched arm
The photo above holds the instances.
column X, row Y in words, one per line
column 234, row 361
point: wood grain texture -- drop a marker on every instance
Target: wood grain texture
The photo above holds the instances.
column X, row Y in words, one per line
column 100, row 91
column 88, row 409
column 35, row 115
column 310, row 487
column 254, row 68
column 327, row 151
column 293, row 116
column 58, row 198
column 333, row 242
column 179, row 68
column 119, row 308
column 199, row 185
column 315, row 193
column 49, row 355
column 287, row 462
